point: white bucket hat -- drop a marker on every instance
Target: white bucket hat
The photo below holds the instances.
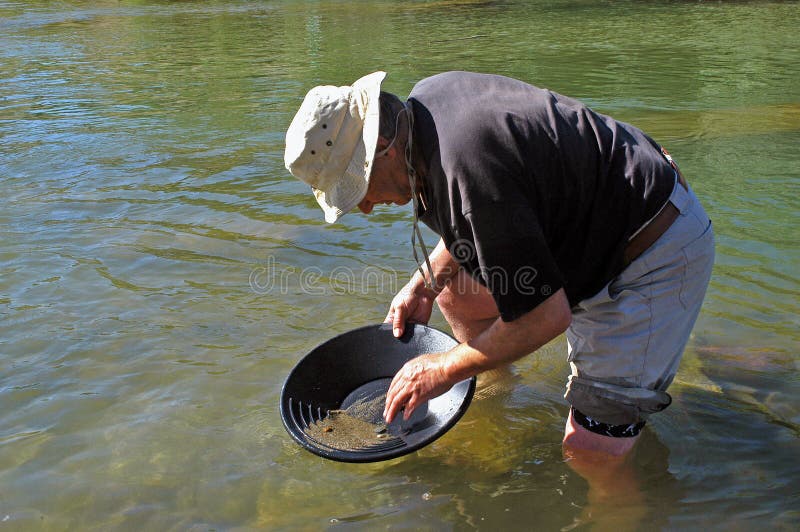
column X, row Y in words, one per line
column 331, row 142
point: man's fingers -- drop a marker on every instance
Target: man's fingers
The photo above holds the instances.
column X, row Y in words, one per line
column 391, row 409
column 411, row 405
column 395, row 397
column 399, row 321
column 397, row 404
column 396, row 316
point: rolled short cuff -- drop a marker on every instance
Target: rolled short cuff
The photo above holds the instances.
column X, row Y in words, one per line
column 613, row 404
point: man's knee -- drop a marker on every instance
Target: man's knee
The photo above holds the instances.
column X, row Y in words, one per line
column 467, row 306
column 465, row 298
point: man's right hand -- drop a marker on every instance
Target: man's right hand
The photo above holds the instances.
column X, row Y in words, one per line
column 414, row 303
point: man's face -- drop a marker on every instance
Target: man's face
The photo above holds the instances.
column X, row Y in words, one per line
column 388, row 182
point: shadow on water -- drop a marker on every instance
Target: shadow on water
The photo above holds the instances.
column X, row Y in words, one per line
column 512, row 470
column 501, row 466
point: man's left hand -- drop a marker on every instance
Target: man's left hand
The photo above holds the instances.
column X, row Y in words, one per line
column 420, row 379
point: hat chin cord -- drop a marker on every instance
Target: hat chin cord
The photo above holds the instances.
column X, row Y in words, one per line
column 416, row 233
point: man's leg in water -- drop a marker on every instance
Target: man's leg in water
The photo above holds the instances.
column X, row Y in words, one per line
column 469, row 308
column 600, row 460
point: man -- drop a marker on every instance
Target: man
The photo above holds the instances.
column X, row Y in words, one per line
column 552, row 218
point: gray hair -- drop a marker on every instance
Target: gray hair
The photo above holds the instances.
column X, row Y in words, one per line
column 390, row 107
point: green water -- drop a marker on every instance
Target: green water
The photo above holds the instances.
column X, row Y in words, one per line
column 161, row 272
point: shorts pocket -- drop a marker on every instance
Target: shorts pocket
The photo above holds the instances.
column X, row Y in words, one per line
column 574, row 344
column 698, row 258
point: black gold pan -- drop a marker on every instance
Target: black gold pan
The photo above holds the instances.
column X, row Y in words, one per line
column 348, row 376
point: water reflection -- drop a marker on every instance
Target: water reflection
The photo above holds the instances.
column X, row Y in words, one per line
column 144, row 184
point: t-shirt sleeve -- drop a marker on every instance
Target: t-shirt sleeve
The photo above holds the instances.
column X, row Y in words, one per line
column 513, row 258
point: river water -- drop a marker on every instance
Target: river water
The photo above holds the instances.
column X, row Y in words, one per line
column 161, row 272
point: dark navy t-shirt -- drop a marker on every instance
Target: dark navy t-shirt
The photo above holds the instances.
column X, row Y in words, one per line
column 531, row 190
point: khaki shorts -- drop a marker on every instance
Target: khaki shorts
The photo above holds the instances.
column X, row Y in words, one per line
column 626, row 341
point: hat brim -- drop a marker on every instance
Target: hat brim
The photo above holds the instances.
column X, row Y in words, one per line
column 352, row 187
column 348, row 191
